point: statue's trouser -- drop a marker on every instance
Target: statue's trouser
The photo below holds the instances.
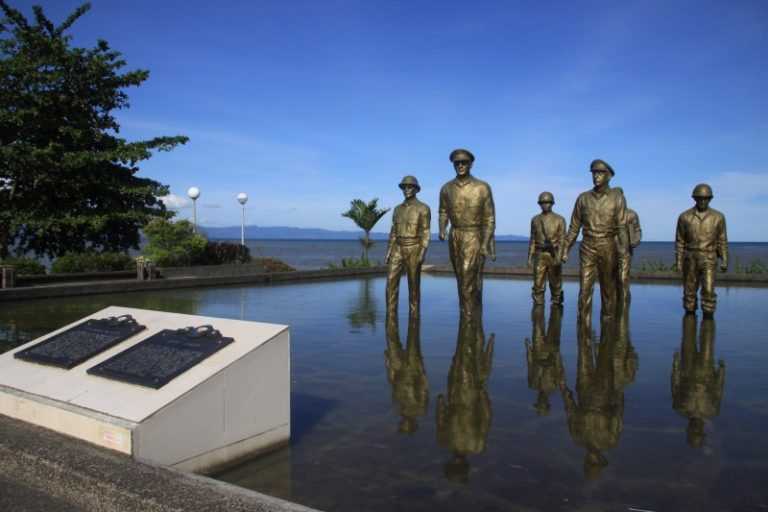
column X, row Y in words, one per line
column 464, row 246
column 544, row 267
column 625, row 265
column 699, row 270
column 599, row 260
column 404, row 258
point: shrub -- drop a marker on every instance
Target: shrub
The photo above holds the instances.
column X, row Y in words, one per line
column 173, row 244
column 354, row 263
column 219, row 253
column 275, row 265
column 25, row 266
column 73, row 262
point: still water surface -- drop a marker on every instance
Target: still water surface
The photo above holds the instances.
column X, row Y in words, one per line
column 644, row 417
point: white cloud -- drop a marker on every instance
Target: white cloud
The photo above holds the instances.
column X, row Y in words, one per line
column 174, row 202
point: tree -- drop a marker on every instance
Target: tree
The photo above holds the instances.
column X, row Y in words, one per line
column 67, row 181
column 365, row 215
column 173, row 244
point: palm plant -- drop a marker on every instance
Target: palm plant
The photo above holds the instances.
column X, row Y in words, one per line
column 365, row 215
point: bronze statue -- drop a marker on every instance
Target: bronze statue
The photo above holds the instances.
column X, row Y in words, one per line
column 635, row 235
column 700, row 240
column 545, row 364
column 464, row 414
column 697, row 385
column 408, row 243
column 596, row 417
column 467, row 203
column 601, row 212
column 406, row 373
column 544, row 251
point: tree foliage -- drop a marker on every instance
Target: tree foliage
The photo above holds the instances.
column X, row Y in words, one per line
column 67, row 180
column 365, row 215
column 173, row 244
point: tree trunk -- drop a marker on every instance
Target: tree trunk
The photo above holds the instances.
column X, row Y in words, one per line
column 365, row 246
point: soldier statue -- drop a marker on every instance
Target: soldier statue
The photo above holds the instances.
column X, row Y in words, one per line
column 602, row 214
column 700, row 240
column 467, row 203
column 635, row 235
column 544, row 250
column 408, row 243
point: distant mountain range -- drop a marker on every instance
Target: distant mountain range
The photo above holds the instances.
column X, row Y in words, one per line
column 290, row 233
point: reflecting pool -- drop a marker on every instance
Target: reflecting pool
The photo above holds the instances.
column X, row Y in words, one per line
column 521, row 411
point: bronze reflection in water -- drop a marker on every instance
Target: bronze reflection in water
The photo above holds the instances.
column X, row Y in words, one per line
column 545, row 364
column 406, row 373
column 544, row 251
column 464, row 412
column 697, row 383
column 700, row 240
column 467, row 203
column 408, row 243
column 596, row 415
column 601, row 214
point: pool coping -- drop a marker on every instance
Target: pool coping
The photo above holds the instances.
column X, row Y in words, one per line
column 62, row 468
column 70, row 289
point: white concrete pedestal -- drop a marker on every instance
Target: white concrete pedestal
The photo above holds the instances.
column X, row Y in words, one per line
column 230, row 406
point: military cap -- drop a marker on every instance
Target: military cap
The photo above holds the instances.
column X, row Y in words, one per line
column 410, row 180
column 601, row 165
column 546, row 197
column 702, row 190
column 456, row 153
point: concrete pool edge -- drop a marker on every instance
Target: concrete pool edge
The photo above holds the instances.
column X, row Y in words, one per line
column 121, row 286
column 92, row 478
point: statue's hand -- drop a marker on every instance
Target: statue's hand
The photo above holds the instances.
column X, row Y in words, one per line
column 441, row 236
column 387, row 258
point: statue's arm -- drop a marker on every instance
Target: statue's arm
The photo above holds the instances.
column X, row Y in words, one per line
column 722, row 244
column 573, row 229
column 392, row 238
column 442, row 218
column 426, row 221
column 532, row 243
column 489, row 221
column 679, row 243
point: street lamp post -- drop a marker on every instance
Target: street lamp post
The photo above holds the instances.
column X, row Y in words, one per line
column 242, row 198
column 193, row 194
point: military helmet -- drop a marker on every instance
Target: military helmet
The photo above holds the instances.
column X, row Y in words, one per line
column 702, row 190
column 410, row 180
column 601, row 165
column 546, row 197
column 456, row 153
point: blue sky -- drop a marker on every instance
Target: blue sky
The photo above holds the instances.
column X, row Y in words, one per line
column 306, row 105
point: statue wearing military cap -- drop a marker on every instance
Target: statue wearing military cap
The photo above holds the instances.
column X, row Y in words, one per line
column 700, row 240
column 544, row 251
column 467, row 203
column 602, row 215
column 461, row 154
column 408, row 243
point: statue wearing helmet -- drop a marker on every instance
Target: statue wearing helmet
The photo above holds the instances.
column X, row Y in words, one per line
column 407, row 248
column 602, row 215
column 700, row 240
column 544, row 249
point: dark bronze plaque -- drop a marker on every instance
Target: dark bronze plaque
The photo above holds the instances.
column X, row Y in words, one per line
column 81, row 342
column 162, row 357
